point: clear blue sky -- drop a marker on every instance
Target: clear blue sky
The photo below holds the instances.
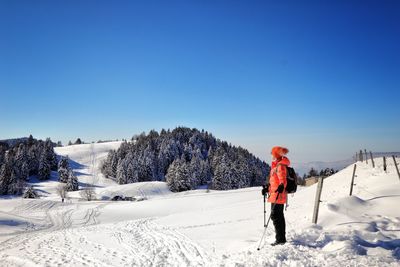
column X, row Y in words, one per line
column 320, row 77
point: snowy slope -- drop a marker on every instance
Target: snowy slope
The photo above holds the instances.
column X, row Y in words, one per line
column 219, row 228
column 86, row 159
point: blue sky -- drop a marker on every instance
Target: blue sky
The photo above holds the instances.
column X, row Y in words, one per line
column 320, row 77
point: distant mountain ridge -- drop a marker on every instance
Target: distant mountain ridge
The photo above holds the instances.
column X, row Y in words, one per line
column 302, row 168
column 13, row 141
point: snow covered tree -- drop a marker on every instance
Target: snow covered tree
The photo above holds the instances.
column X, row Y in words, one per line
column 150, row 157
column 222, row 175
column 50, row 155
column 121, row 172
column 30, row 140
column 33, row 160
column 78, row 141
column 30, row 193
column 109, row 167
column 16, row 185
column 200, row 171
column 178, row 177
column 132, row 172
column 44, row 167
column 5, row 174
column 72, row 182
column 22, row 159
column 63, row 169
column 10, row 183
column 24, row 171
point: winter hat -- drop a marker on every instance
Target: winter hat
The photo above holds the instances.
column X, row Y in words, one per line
column 278, row 151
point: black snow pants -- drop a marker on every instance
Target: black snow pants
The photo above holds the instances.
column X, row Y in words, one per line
column 278, row 219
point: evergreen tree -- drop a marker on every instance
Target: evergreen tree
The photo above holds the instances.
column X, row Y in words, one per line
column 178, row 178
column 72, row 183
column 150, row 157
column 121, row 172
column 30, row 193
column 16, row 185
column 44, row 167
column 24, row 172
column 312, row 173
column 33, row 160
column 5, row 176
column 222, row 175
column 30, row 141
column 50, row 155
column 78, row 141
column 20, row 160
column 63, row 169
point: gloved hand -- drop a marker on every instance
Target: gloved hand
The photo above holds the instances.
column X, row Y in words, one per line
column 281, row 187
column 265, row 189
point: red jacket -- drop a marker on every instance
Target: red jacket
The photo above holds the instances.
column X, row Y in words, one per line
column 278, row 176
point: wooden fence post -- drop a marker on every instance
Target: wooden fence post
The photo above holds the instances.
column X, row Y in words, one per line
column 317, row 199
column 366, row 156
column 384, row 163
column 352, row 179
column 372, row 159
column 356, row 156
column 361, row 155
column 397, row 168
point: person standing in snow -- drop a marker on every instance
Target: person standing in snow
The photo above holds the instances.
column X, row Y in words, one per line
column 277, row 195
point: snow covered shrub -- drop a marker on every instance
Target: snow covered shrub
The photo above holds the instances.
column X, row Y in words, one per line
column 30, row 193
column 88, row 193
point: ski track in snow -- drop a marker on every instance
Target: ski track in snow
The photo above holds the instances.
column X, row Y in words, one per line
column 73, row 242
column 193, row 228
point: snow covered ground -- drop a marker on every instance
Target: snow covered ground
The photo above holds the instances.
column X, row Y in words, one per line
column 196, row 228
column 86, row 160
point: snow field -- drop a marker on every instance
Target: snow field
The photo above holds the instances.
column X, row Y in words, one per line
column 196, row 228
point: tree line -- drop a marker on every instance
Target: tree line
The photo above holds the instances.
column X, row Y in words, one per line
column 21, row 160
column 186, row 159
column 322, row 173
column 32, row 157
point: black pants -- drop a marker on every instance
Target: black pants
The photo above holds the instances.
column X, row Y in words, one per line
column 278, row 219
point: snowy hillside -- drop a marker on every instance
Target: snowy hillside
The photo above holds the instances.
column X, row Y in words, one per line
column 196, row 228
column 86, row 160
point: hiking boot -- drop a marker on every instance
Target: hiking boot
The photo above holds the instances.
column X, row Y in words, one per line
column 278, row 243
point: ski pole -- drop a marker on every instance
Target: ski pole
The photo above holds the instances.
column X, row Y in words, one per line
column 265, row 212
column 266, row 225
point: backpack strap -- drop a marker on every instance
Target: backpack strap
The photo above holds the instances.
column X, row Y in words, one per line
column 276, row 168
